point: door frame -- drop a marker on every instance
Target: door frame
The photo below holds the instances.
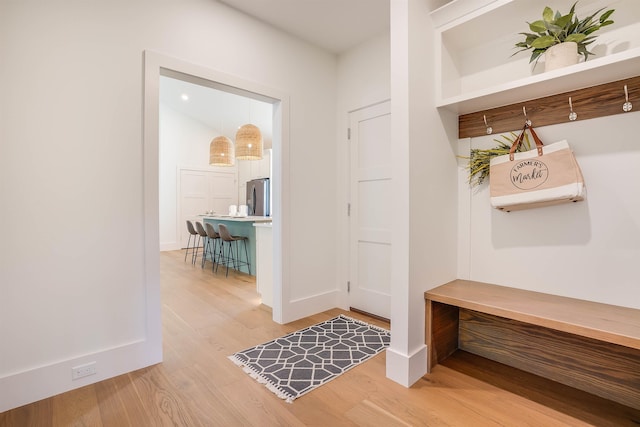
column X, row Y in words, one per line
column 155, row 65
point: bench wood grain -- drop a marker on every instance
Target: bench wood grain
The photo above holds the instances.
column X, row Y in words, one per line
column 587, row 345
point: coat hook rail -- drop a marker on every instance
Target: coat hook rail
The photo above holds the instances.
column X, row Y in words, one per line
column 596, row 101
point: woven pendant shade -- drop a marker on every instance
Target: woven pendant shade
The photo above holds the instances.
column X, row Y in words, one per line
column 248, row 143
column 221, row 152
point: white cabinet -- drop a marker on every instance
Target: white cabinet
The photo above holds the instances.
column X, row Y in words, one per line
column 252, row 169
column 261, row 168
column 475, row 40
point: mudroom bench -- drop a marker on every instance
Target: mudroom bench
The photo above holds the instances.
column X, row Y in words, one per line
column 587, row 345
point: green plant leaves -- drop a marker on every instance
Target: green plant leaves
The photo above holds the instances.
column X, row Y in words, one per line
column 536, row 54
column 555, row 28
column 563, row 21
column 606, row 16
column 543, row 42
column 538, row 27
column 575, row 38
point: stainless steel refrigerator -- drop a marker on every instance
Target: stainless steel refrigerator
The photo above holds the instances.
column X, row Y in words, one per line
column 258, row 197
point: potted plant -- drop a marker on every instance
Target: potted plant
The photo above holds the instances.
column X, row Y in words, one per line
column 557, row 32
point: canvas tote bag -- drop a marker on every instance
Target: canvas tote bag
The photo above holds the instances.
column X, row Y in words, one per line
column 545, row 176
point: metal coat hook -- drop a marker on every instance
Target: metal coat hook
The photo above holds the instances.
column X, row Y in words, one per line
column 526, row 119
column 489, row 128
column 572, row 115
column 627, row 106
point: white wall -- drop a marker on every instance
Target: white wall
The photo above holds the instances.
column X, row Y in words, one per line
column 184, row 142
column 363, row 80
column 364, row 76
column 71, row 169
column 587, row 250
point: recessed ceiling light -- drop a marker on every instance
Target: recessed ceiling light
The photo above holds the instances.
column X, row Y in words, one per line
column 184, row 97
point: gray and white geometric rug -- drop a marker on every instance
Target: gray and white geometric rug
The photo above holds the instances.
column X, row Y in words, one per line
column 297, row 363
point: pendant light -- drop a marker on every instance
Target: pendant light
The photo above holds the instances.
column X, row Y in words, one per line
column 248, row 143
column 221, row 152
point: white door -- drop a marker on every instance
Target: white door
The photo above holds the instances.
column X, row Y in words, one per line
column 201, row 191
column 369, row 221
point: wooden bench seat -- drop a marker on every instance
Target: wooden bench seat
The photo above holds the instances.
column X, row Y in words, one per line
column 591, row 346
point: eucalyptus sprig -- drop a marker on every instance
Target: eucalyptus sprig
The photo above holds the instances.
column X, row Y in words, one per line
column 556, row 28
column 479, row 159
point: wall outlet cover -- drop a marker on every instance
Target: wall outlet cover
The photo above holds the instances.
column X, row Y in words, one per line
column 81, row 371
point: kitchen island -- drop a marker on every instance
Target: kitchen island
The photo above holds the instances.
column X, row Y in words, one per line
column 239, row 226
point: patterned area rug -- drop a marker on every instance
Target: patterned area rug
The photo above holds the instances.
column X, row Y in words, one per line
column 297, row 363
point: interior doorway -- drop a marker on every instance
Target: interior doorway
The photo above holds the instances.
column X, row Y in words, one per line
column 157, row 65
column 191, row 115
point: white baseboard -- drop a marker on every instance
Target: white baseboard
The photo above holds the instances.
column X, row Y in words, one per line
column 303, row 307
column 39, row 383
column 406, row 369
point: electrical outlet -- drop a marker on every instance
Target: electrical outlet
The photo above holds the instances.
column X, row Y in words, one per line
column 83, row 370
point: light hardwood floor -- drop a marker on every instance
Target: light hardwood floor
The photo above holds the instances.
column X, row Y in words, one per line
column 207, row 317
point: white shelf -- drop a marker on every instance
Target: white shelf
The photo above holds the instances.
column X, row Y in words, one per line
column 477, row 73
column 579, row 76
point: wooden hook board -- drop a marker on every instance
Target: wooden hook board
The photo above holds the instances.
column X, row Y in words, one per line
column 596, row 101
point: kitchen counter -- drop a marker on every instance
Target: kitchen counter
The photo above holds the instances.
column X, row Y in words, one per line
column 239, row 226
column 263, row 224
column 255, row 219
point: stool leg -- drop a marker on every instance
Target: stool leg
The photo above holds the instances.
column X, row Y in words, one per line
column 207, row 252
column 216, row 257
column 220, row 255
column 223, row 256
column 205, row 248
column 187, row 251
column 204, row 252
column 228, row 258
column 246, row 256
column 217, row 245
column 235, row 257
column 194, row 255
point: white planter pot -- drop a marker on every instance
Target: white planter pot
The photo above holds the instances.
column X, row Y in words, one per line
column 561, row 55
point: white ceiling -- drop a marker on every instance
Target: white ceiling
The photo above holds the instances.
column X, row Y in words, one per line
column 222, row 111
column 334, row 25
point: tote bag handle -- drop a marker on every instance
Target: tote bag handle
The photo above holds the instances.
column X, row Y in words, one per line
column 519, row 139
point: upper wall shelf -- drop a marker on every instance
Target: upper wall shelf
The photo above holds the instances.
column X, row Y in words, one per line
column 475, row 38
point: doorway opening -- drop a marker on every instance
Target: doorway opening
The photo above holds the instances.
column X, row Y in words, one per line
column 192, row 112
column 158, row 66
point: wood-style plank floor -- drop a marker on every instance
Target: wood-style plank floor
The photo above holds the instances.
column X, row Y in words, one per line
column 207, row 317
